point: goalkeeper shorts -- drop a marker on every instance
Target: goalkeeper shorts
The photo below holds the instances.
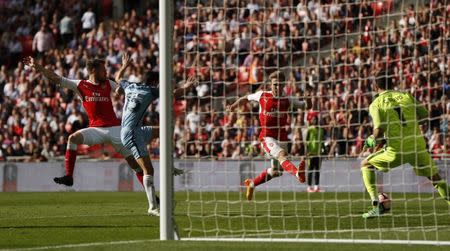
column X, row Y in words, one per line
column 387, row 158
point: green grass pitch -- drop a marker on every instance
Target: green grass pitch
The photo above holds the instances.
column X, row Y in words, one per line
column 117, row 220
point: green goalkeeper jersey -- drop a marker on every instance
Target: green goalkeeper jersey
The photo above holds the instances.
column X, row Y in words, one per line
column 397, row 114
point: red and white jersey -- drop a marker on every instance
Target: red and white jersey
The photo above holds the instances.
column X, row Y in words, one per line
column 96, row 100
column 273, row 113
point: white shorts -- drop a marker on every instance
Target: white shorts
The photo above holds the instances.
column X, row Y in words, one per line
column 273, row 147
column 105, row 135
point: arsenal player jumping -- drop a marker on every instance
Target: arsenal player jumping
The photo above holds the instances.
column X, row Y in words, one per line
column 104, row 126
column 273, row 113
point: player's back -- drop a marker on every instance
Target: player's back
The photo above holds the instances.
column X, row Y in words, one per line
column 398, row 118
column 137, row 99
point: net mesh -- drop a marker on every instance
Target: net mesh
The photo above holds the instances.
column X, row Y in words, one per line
column 329, row 52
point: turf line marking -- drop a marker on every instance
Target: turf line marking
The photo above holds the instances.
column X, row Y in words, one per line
column 349, row 241
column 72, row 216
column 92, row 244
column 400, row 229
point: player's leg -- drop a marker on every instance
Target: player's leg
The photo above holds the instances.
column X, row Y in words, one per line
column 152, row 132
column 425, row 166
column 264, row 176
column 310, row 176
column 289, row 167
column 272, row 147
column 88, row 136
column 381, row 160
column 133, row 139
column 315, row 162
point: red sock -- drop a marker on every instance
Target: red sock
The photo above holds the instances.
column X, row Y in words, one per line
column 71, row 157
column 289, row 167
column 140, row 177
column 263, row 177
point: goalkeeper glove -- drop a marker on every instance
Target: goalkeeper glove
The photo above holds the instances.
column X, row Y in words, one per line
column 370, row 142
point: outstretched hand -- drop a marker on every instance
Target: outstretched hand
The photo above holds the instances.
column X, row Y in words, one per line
column 126, row 60
column 191, row 81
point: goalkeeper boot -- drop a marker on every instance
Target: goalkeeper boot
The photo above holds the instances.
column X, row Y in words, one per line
column 64, row 180
column 301, row 172
column 376, row 211
column 177, row 172
column 153, row 211
column 250, row 188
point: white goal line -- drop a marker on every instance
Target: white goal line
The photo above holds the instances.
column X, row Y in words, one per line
column 305, row 240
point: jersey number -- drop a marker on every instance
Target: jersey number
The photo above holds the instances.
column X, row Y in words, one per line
column 400, row 115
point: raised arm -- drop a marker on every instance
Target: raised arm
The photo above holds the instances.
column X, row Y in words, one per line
column 191, row 81
column 237, row 103
column 50, row 75
column 126, row 61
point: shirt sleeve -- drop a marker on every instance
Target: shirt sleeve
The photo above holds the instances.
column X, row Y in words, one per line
column 71, row 84
column 421, row 111
column 155, row 91
column 113, row 85
column 375, row 114
column 123, row 83
column 255, row 96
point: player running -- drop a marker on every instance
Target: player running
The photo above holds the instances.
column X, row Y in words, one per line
column 396, row 115
column 273, row 113
column 138, row 96
column 104, row 126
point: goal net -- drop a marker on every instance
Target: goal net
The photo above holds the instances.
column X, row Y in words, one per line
column 329, row 52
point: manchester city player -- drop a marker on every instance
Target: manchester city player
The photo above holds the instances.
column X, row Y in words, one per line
column 135, row 136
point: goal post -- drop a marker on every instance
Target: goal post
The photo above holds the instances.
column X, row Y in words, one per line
column 166, row 121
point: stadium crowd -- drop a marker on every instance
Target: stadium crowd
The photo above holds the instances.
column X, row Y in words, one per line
column 230, row 50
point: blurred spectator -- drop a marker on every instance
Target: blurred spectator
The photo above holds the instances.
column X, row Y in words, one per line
column 88, row 21
column 43, row 41
column 66, row 29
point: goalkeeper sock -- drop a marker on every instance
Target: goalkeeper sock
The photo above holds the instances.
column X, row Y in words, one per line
column 150, row 191
column 289, row 167
column 443, row 189
column 140, row 177
column 369, row 178
column 263, row 177
column 71, row 157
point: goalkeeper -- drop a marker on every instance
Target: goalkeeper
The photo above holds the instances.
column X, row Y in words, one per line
column 395, row 115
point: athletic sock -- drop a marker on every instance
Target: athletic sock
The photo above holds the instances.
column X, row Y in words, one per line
column 369, row 178
column 150, row 191
column 261, row 178
column 289, row 167
column 71, row 156
column 443, row 189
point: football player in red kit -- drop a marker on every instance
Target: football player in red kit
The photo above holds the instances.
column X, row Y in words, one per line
column 104, row 126
column 273, row 114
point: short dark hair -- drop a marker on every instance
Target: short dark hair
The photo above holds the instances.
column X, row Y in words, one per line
column 277, row 75
column 385, row 80
column 151, row 77
column 93, row 64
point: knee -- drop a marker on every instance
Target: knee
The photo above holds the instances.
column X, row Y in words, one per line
column 75, row 138
column 126, row 136
column 274, row 172
column 282, row 155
